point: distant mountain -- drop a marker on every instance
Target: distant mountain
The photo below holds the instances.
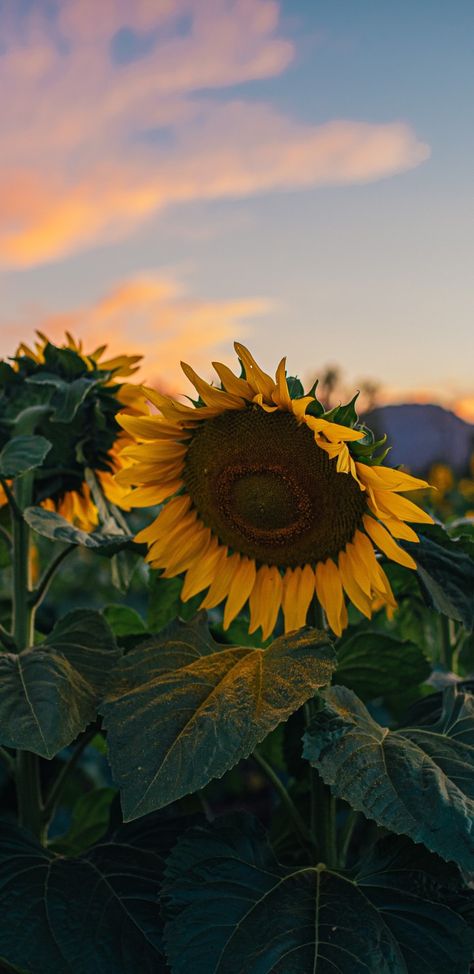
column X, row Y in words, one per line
column 422, row 434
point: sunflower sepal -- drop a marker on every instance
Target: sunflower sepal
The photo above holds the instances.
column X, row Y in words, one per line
column 295, row 387
column 346, row 414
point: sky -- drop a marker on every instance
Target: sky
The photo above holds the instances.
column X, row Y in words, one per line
column 294, row 174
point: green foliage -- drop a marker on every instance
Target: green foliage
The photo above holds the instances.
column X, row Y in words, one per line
column 90, row 821
column 48, row 898
column 51, row 525
column 234, row 907
column 72, row 404
column 417, row 781
column 23, row 453
column 203, row 706
column 446, row 574
column 375, row 664
column 164, row 601
column 50, row 693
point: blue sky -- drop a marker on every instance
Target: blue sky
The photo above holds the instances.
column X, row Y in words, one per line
column 151, row 206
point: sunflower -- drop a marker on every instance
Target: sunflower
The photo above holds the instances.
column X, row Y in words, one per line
column 89, row 439
column 267, row 498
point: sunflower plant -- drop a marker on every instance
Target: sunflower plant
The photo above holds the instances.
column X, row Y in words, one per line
column 259, row 758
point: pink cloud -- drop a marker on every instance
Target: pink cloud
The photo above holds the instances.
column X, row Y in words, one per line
column 149, row 315
column 78, row 163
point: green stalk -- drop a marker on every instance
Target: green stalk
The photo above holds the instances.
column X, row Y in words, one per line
column 30, row 811
column 286, row 800
column 322, row 803
column 447, row 643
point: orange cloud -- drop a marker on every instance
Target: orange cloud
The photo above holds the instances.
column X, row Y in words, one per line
column 92, row 148
column 150, row 315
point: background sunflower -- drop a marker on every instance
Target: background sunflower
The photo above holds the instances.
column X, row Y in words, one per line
column 269, row 499
column 71, row 399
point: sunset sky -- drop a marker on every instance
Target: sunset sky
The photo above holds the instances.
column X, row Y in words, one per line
column 175, row 174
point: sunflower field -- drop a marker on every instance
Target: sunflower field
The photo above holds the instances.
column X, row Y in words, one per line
column 236, row 681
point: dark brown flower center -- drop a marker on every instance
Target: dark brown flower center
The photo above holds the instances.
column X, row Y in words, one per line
column 266, row 489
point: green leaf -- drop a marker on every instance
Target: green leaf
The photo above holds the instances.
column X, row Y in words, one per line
column 446, row 574
column 375, row 664
column 186, row 709
column 164, row 601
column 234, row 908
column 56, row 528
column 90, row 821
column 23, row 453
column 50, row 693
column 417, row 781
column 124, row 621
column 95, row 913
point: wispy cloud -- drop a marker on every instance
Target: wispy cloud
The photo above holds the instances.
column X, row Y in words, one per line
column 116, row 110
column 153, row 316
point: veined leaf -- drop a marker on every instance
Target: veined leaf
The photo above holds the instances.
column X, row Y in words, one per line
column 375, row 664
column 234, row 908
column 417, row 781
column 96, row 913
column 446, row 574
column 56, row 528
column 185, row 709
column 50, row 693
column 23, row 453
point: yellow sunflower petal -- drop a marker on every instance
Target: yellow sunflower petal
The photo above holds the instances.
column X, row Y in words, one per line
column 152, row 495
column 210, row 395
column 259, row 380
column 299, row 406
column 397, row 528
column 298, row 590
column 232, row 384
column 383, row 539
column 334, row 432
column 200, row 575
column 365, row 555
column 281, row 395
column 170, row 515
column 240, row 588
column 386, row 478
column 401, row 508
column 330, row 594
column 220, row 586
column 150, row 427
column 265, row 600
column 196, row 546
column 357, row 596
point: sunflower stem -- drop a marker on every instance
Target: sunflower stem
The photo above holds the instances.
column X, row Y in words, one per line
column 27, row 771
column 447, row 643
column 37, row 595
column 55, row 791
column 322, row 803
column 286, row 800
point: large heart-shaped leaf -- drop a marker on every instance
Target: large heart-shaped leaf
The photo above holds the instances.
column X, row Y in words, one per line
column 418, row 781
column 23, row 453
column 235, row 909
column 56, row 528
column 48, row 694
column 77, row 916
column 185, row 709
column 375, row 664
column 446, row 574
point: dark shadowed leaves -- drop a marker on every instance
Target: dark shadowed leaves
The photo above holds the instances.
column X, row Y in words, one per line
column 375, row 664
column 234, row 908
column 418, row 781
column 96, row 913
column 446, row 574
column 50, row 693
column 23, row 453
column 185, row 709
